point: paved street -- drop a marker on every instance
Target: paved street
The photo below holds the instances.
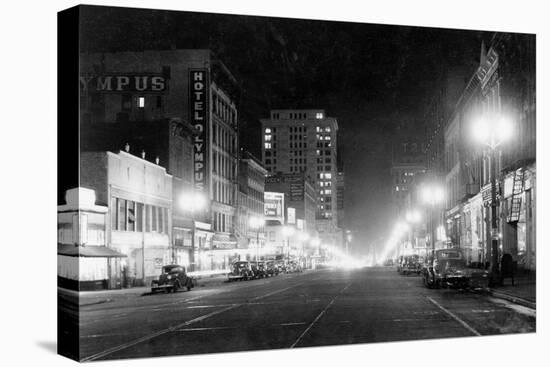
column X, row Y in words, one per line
column 325, row 307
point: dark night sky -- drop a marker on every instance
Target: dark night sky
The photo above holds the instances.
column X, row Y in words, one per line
column 370, row 77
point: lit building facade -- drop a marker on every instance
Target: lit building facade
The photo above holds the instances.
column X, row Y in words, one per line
column 138, row 195
column 250, row 201
column 305, row 141
column 196, row 90
column 501, row 87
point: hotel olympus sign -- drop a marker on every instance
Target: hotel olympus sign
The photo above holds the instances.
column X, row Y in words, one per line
column 198, row 111
column 120, row 83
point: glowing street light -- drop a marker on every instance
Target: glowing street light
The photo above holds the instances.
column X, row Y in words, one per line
column 256, row 222
column 432, row 194
column 288, row 231
column 493, row 130
column 413, row 216
column 192, row 202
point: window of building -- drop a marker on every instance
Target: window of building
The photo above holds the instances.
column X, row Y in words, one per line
column 319, row 115
column 328, row 175
column 267, row 145
column 121, row 226
column 139, row 217
column 141, row 102
column 131, row 225
column 126, row 102
column 268, row 138
column 268, row 130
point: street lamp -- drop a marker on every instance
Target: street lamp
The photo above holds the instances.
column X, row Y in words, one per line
column 257, row 223
column 192, row 202
column 432, row 194
column 493, row 130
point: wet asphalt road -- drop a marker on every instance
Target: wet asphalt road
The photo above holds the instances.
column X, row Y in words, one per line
column 325, row 307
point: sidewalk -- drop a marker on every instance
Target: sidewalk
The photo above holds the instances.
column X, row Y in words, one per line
column 88, row 298
column 523, row 292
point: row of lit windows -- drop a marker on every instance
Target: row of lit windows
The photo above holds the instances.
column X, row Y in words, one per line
column 132, row 216
column 327, row 160
column 323, row 137
column 320, row 129
column 324, row 144
column 325, row 175
column 325, row 192
column 269, row 130
column 320, row 152
column 325, row 183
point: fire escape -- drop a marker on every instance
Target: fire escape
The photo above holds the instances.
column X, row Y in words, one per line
column 515, row 202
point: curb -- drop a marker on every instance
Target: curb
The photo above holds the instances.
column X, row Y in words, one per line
column 517, row 300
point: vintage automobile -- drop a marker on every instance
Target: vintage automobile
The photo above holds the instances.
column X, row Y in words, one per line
column 411, row 265
column 448, row 269
column 271, row 268
column 240, row 270
column 294, row 267
column 172, row 278
column 259, row 269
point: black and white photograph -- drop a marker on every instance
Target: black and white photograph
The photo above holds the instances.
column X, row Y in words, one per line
column 250, row 183
column 264, row 183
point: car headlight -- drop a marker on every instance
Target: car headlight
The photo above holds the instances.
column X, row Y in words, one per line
column 169, row 277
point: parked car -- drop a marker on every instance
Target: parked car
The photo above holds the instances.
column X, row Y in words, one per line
column 172, row 278
column 449, row 269
column 240, row 270
column 411, row 265
column 272, row 268
column 293, row 267
column 259, row 269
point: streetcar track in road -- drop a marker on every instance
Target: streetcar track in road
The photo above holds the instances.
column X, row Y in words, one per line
column 159, row 307
column 455, row 317
column 319, row 316
column 176, row 327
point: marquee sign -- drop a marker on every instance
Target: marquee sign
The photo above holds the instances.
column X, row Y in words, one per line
column 124, row 83
column 198, row 116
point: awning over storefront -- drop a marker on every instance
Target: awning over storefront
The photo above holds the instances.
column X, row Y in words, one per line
column 87, row 251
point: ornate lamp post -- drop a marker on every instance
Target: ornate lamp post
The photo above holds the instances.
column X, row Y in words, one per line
column 432, row 194
column 287, row 232
column 192, row 202
column 492, row 131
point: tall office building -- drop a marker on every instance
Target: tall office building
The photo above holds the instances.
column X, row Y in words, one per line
column 295, row 141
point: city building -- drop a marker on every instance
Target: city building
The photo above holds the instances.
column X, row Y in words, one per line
column 138, row 195
column 196, row 94
column 502, row 88
column 250, row 228
column 305, row 141
column 340, row 189
column 84, row 262
column 300, row 202
column 408, row 161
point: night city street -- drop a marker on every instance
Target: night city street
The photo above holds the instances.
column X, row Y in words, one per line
column 314, row 308
column 239, row 183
